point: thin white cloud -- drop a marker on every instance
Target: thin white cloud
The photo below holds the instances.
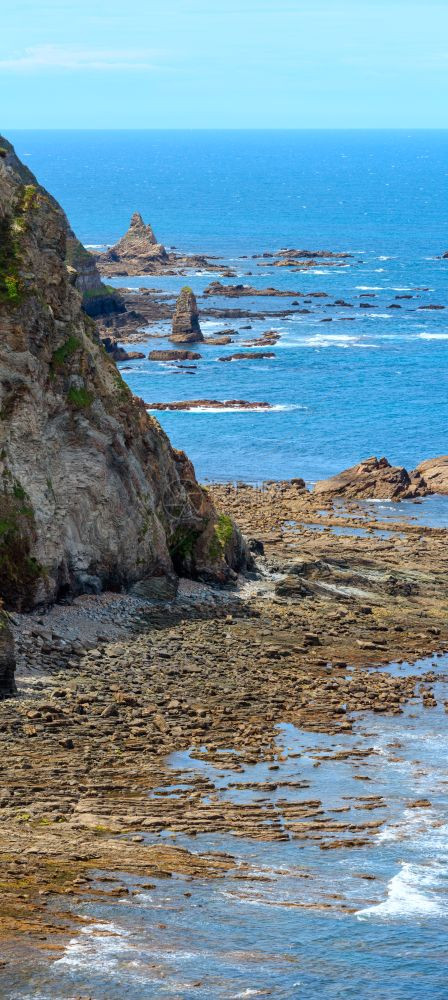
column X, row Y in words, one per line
column 73, row 57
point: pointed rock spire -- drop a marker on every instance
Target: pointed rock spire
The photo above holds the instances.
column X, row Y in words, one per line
column 138, row 230
column 137, row 248
column 186, row 326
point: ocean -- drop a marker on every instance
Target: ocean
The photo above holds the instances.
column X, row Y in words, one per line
column 366, row 923
column 373, row 381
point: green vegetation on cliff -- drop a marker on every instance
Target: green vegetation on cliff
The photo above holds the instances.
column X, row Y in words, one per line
column 80, row 398
column 19, row 570
column 11, row 229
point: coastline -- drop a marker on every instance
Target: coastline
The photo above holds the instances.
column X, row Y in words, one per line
column 84, row 747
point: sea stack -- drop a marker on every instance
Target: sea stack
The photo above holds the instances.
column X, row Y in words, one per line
column 136, row 252
column 186, row 326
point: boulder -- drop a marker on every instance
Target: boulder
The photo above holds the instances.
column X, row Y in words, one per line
column 186, row 327
column 435, row 473
column 375, row 479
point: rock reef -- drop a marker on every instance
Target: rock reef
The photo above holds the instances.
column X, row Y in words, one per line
column 209, row 404
column 92, row 494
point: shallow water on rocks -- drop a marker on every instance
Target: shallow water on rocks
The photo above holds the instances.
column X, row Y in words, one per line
column 295, row 917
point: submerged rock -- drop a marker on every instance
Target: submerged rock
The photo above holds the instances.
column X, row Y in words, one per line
column 248, row 356
column 375, row 479
column 90, row 487
column 186, row 327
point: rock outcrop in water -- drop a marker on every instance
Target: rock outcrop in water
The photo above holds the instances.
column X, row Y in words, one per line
column 435, row 473
column 7, row 657
column 186, row 326
column 92, row 494
column 375, row 479
column 136, row 252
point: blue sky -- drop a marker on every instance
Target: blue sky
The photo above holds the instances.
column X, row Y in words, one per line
column 223, row 64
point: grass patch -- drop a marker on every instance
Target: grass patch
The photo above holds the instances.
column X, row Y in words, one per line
column 64, row 352
column 12, row 228
column 222, row 535
column 80, row 398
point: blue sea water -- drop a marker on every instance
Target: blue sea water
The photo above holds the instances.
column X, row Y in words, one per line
column 373, row 381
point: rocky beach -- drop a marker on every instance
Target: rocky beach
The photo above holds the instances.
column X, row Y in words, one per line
column 222, row 699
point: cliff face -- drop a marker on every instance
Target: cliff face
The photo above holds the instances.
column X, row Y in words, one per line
column 7, row 657
column 98, row 299
column 91, row 492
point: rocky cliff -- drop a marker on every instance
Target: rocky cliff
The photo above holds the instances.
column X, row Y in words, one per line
column 7, row 657
column 92, row 494
column 98, row 299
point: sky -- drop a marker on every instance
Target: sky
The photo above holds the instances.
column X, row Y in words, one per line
column 223, row 64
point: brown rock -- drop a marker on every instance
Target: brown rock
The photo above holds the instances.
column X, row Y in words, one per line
column 375, row 479
column 186, row 327
column 435, row 473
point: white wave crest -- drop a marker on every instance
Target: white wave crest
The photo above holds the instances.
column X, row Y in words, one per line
column 433, row 336
column 406, row 897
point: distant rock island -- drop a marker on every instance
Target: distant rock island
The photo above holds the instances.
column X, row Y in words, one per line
column 139, row 253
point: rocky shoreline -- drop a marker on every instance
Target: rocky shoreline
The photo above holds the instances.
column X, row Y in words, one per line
column 88, row 736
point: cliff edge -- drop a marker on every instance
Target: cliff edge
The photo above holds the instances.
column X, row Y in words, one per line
column 92, row 494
